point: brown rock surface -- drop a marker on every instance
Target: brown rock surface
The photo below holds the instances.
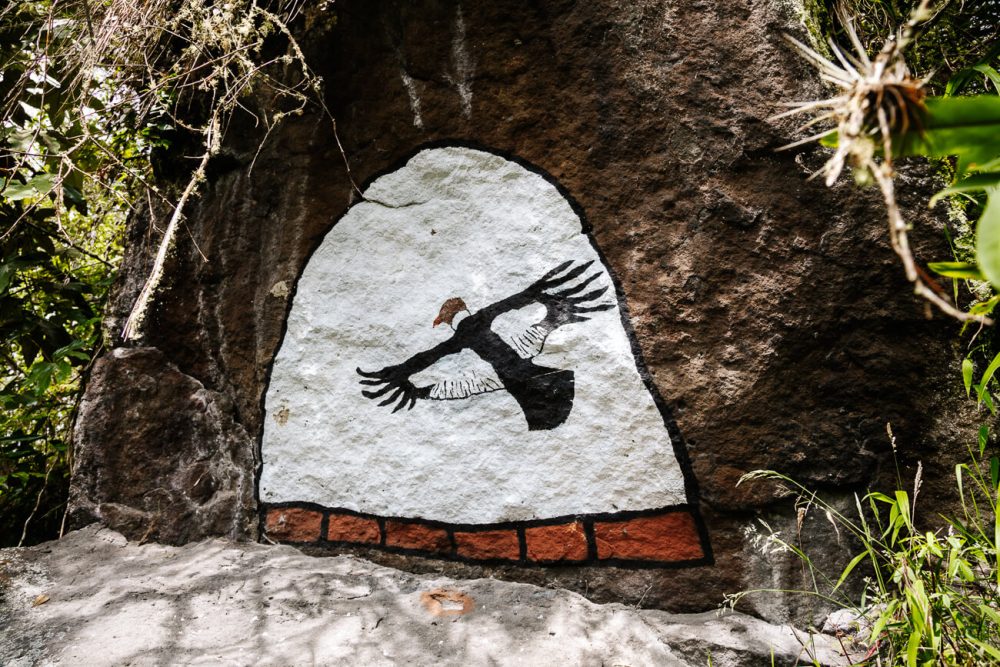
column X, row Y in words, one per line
column 159, row 455
column 769, row 309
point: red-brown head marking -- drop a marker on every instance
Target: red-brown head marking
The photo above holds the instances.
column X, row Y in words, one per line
column 449, row 309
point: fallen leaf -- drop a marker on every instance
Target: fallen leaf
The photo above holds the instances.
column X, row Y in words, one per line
column 41, row 599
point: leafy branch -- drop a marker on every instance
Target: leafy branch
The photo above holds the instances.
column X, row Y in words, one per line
column 92, row 96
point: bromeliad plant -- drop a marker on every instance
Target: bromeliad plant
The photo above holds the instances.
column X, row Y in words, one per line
column 929, row 597
column 881, row 112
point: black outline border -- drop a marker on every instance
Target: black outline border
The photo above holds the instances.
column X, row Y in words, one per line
column 676, row 439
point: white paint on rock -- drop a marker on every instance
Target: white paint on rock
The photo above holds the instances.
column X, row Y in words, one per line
column 462, row 64
column 455, row 222
column 411, row 92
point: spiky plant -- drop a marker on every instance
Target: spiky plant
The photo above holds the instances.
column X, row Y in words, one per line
column 877, row 100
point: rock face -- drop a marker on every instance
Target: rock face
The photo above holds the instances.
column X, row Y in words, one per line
column 769, row 312
column 164, row 458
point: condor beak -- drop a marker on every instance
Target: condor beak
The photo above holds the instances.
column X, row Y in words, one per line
column 437, row 321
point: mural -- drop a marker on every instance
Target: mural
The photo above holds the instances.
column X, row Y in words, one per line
column 544, row 394
column 517, row 425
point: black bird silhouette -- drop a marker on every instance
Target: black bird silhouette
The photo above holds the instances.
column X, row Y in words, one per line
column 544, row 394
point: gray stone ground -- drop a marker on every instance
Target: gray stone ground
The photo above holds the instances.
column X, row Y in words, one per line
column 93, row 598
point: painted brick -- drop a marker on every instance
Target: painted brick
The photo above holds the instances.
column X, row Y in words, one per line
column 350, row 528
column 561, row 542
column 667, row 537
column 416, row 536
column 292, row 524
column 489, row 544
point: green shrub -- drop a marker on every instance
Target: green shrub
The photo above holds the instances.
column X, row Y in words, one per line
column 90, row 94
column 929, row 597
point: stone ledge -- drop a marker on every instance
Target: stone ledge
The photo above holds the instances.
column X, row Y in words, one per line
column 253, row 604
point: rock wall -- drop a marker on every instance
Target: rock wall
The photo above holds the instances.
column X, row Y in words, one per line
column 767, row 310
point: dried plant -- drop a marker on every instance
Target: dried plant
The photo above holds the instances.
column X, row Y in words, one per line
column 88, row 91
column 877, row 100
column 194, row 63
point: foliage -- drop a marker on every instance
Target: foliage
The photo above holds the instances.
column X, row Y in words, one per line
column 967, row 128
column 929, row 598
column 58, row 248
column 91, row 95
column 954, row 51
column 881, row 112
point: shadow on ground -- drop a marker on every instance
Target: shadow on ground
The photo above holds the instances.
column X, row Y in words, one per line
column 93, row 598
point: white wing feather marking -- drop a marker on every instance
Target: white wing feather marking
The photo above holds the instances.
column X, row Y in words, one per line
column 522, row 330
column 458, row 376
column 463, row 388
column 529, row 342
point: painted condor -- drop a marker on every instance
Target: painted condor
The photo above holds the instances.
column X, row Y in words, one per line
column 544, row 394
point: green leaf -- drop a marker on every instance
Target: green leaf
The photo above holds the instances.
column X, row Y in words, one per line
column 17, row 191
column 903, row 502
column 40, row 377
column 988, row 375
column 912, row 646
column 958, row 479
column 972, row 183
column 984, row 435
column 7, row 272
column 960, row 78
column 996, row 536
column 74, row 197
column 43, row 183
column 985, row 307
column 968, row 368
column 988, row 238
column 883, row 619
column 967, row 127
column 989, row 650
column 962, row 270
column 987, row 401
column 850, row 566
column 38, row 185
column 990, row 73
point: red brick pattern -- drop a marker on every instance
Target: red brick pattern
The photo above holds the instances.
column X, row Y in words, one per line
column 350, row 528
column 489, row 545
column 417, row 536
column 561, row 542
column 653, row 539
column 293, row 525
column 667, row 537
